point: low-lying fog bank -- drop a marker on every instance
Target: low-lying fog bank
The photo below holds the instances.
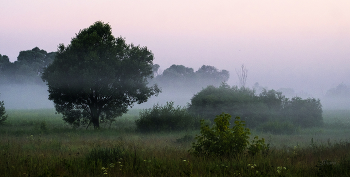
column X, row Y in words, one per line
column 17, row 96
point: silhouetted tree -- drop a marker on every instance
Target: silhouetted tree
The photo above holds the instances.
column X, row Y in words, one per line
column 97, row 76
column 3, row 117
column 209, row 75
column 27, row 68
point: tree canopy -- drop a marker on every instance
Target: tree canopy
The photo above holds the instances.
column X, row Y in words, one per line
column 27, row 68
column 97, row 76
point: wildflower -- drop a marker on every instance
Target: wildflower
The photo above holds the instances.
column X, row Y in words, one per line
column 111, row 165
column 184, row 160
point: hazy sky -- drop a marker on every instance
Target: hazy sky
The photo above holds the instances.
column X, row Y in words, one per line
column 300, row 44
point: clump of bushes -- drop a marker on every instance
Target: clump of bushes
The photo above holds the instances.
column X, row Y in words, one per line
column 222, row 140
column 166, row 118
column 256, row 109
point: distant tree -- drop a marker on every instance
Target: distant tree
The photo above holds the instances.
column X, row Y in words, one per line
column 177, row 76
column 209, row 75
column 340, row 91
column 3, row 117
column 27, row 68
column 242, row 75
column 303, row 112
column 5, row 69
column 4, row 60
column 97, row 76
column 32, row 62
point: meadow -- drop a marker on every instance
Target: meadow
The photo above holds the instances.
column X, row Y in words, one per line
column 39, row 143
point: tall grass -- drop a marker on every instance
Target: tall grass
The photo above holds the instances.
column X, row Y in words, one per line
column 27, row 150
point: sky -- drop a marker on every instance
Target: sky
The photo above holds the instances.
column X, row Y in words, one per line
column 296, row 44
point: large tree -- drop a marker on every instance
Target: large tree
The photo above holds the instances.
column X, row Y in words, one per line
column 98, row 76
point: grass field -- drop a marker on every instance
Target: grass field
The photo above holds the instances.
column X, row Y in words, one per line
column 39, row 143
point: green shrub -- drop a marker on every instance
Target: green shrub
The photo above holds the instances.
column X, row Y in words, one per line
column 3, row 117
column 278, row 127
column 258, row 146
column 256, row 109
column 241, row 102
column 166, row 118
column 225, row 141
column 304, row 112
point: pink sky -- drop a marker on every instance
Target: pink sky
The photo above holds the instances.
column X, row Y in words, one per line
column 300, row 44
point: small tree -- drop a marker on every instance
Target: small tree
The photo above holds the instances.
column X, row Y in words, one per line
column 225, row 141
column 97, row 77
column 3, row 117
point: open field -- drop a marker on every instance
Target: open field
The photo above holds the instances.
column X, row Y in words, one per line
column 39, row 143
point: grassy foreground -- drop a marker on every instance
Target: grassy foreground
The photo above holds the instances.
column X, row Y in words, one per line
column 38, row 143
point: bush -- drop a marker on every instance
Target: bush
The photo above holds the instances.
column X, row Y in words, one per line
column 166, row 118
column 306, row 113
column 277, row 127
column 225, row 141
column 3, row 117
column 256, row 109
column 241, row 102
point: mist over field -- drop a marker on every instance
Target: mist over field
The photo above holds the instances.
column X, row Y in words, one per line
column 25, row 96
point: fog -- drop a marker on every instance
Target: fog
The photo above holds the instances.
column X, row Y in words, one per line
column 33, row 96
column 298, row 47
column 25, row 96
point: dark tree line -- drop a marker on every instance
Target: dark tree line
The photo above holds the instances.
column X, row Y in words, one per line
column 182, row 77
column 28, row 67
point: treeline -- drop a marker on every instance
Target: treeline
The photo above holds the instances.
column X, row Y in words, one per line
column 182, row 77
column 28, row 67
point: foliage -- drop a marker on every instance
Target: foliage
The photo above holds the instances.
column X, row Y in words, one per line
column 258, row 145
column 165, row 118
column 278, row 127
column 97, row 77
column 183, row 77
column 303, row 112
column 28, row 67
column 255, row 110
column 3, row 117
column 225, row 141
column 241, row 102
column 342, row 90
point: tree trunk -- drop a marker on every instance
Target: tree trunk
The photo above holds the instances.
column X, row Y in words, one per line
column 95, row 117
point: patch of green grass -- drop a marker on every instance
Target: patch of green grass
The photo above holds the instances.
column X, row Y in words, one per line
column 27, row 150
